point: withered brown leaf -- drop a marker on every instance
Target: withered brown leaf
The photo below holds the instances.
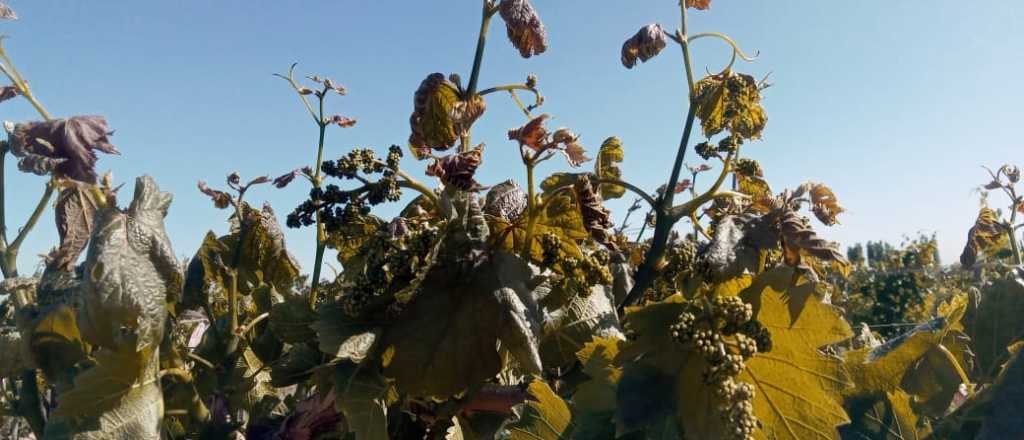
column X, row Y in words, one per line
column 646, row 44
column 698, row 4
column 596, row 218
column 533, row 134
column 65, row 146
column 986, row 234
column 457, row 169
column 824, row 204
column 525, row 30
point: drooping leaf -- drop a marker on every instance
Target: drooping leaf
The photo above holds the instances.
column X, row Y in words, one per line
column 646, row 44
column 431, row 120
column 609, row 157
column 74, row 213
column 986, row 235
column 66, row 146
column 525, row 30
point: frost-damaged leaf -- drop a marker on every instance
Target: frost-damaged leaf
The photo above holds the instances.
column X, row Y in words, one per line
column 457, row 170
column 533, row 134
column 74, row 214
column 431, row 121
column 824, row 204
column 607, row 167
column 698, row 4
column 544, row 416
column 996, row 323
column 264, row 260
column 986, row 235
column 525, row 30
column 574, row 153
column 798, row 237
column 730, row 101
column 646, row 44
column 7, row 92
column 446, row 338
column 569, row 328
column 221, row 199
column 798, row 389
column 596, row 218
column 65, row 146
column 506, row 201
column 6, row 13
column 561, row 218
column 130, row 272
column 363, row 396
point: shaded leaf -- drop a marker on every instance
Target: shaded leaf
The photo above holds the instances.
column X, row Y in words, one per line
column 568, row 329
column 446, row 338
column 362, row 395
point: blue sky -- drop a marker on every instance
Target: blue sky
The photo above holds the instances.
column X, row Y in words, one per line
column 893, row 104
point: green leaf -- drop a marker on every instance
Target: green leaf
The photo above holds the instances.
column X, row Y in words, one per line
column 798, row 389
column 362, row 395
column 544, row 416
column 446, row 338
column 607, row 167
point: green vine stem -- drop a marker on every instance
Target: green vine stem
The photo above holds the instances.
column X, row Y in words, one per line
column 531, row 208
column 489, row 9
column 30, row 404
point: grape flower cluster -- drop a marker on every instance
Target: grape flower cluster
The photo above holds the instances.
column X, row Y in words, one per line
column 391, row 260
column 338, row 206
column 578, row 273
column 725, row 334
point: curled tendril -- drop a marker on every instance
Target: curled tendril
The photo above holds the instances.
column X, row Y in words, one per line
column 736, row 51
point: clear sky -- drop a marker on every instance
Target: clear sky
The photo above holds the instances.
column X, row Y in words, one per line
column 895, row 104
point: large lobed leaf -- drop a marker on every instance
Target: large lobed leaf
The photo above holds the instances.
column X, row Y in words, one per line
column 446, row 338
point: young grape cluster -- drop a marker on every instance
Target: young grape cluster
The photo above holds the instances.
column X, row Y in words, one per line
column 391, row 259
column 579, row 273
column 682, row 262
column 337, row 206
column 725, row 334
